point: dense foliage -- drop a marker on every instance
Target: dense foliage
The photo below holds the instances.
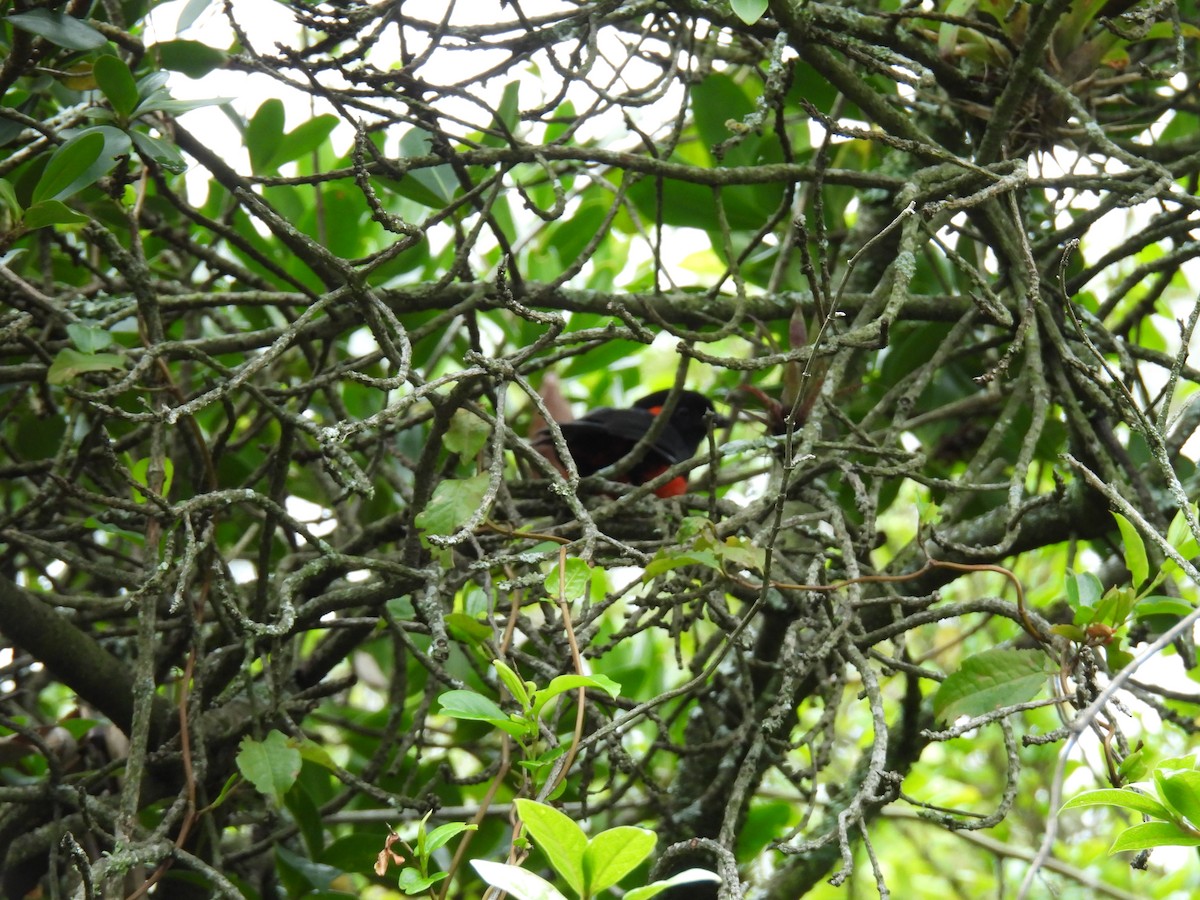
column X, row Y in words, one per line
column 280, row 568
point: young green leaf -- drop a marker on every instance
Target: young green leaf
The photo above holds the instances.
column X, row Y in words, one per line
column 412, row 882
column 1135, row 550
column 461, row 704
column 1122, row 797
column 438, row 838
column 520, row 691
column 613, row 854
column 1181, row 792
column 1149, row 835
column 89, row 338
column 563, row 683
column 749, row 11
column 558, row 837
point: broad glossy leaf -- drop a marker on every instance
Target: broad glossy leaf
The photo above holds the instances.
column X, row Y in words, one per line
column 52, row 212
column 81, row 162
column 263, row 134
column 116, row 83
column 192, row 58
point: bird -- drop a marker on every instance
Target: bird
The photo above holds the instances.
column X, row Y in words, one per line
column 603, row 436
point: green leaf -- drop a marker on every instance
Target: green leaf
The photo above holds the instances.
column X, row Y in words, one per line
column 58, row 28
column 453, row 503
column 506, row 117
column 667, row 559
column 270, row 765
column 576, row 583
column 81, row 162
column 263, row 135
column 467, row 434
column 459, row 704
column 1135, row 766
column 1181, row 792
column 192, row 58
column 162, row 152
column 467, row 628
column 1124, row 798
column 88, row 338
column 116, row 83
column 444, row 834
column 521, row 883
column 519, row 690
column 411, row 881
column 613, row 854
column 52, row 212
column 1083, row 590
column 563, row 683
column 990, row 680
column 561, row 840
column 67, row 167
column 432, row 187
column 737, row 552
column 749, row 11
column 1135, row 550
column 688, row 876
column 304, row 139
column 1180, row 536
column 1162, row 606
column 1149, row 835
column 8, row 197
column 69, row 364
